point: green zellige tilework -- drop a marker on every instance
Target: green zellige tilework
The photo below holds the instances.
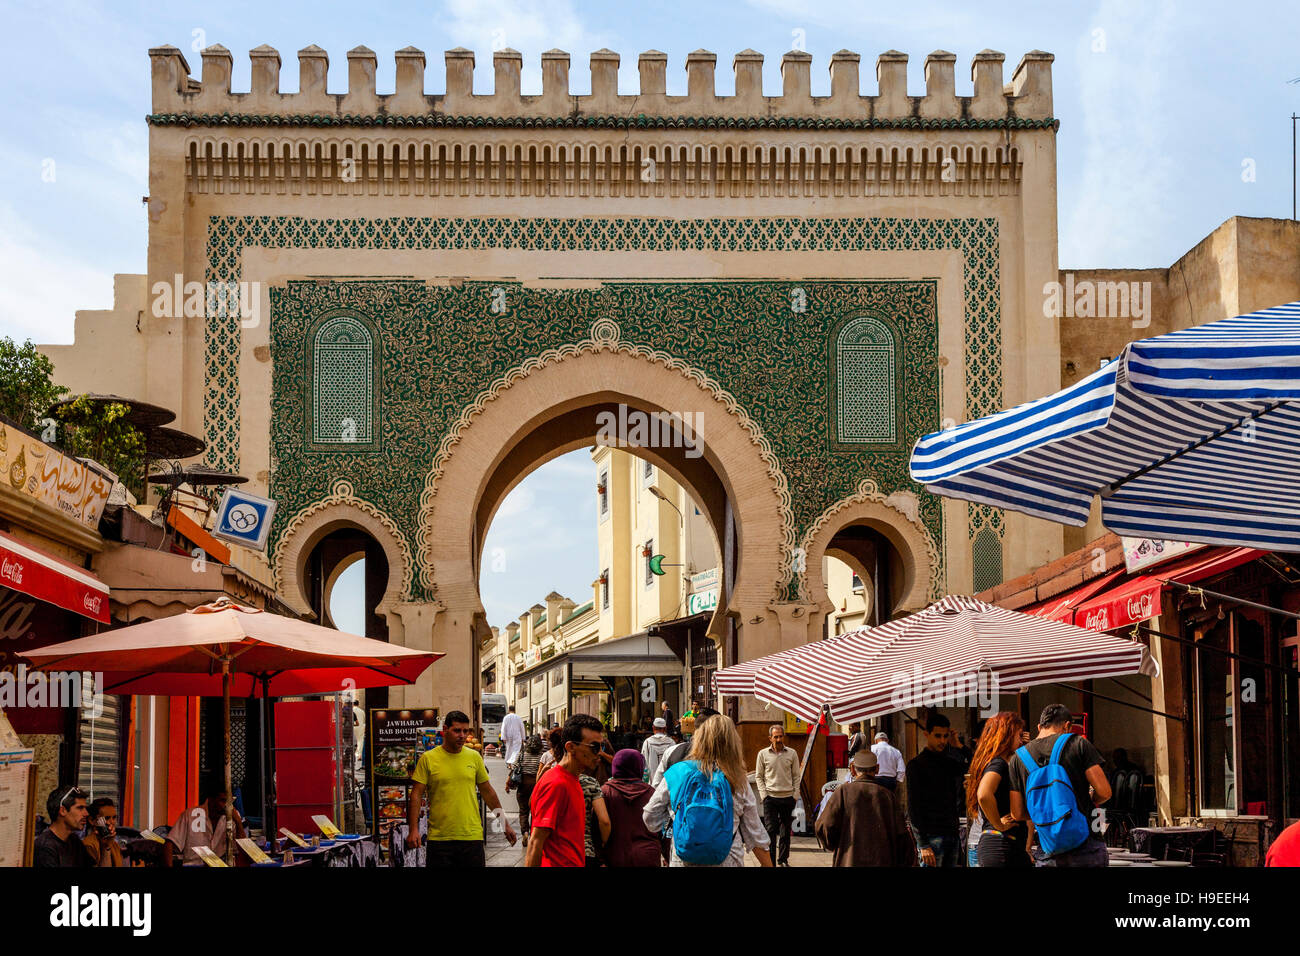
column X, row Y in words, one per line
column 442, row 346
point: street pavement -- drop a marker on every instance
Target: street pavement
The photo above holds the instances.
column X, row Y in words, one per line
column 804, row 850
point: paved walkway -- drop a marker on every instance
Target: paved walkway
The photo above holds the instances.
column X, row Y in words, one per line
column 804, row 850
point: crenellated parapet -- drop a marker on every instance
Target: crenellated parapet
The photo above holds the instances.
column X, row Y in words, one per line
column 1024, row 103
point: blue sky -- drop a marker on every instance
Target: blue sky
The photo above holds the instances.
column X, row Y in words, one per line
column 1164, row 108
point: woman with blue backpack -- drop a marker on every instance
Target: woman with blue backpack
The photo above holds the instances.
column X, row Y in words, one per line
column 708, row 800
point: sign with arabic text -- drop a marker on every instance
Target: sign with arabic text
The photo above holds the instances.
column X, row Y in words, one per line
column 60, row 481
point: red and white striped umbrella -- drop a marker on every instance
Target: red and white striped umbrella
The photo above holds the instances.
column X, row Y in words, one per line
column 959, row 648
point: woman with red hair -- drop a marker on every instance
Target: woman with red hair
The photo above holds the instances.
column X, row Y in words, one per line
column 1004, row 841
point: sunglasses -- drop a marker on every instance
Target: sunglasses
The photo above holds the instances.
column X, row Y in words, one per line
column 594, row 746
column 72, row 796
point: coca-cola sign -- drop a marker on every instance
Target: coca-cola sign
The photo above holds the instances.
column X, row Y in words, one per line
column 1097, row 620
column 1141, row 607
column 51, row 580
column 11, row 570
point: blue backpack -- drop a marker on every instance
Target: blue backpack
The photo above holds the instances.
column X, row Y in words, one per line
column 1049, row 798
column 702, row 814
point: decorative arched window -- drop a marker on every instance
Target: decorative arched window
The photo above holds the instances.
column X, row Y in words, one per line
column 986, row 560
column 866, row 383
column 343, row 389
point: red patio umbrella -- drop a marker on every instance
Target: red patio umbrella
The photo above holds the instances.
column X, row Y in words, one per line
column 224, row 649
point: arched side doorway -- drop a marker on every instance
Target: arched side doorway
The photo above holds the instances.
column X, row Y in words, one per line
column 341, row 510
column 880, row 538
column 550, row 407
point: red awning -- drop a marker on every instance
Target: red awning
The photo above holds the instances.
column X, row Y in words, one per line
column 1138, row 598
column 52, row 580
column 1061, row 608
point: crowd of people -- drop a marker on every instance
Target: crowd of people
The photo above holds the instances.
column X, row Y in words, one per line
column 1028, row 801
column 690, row 803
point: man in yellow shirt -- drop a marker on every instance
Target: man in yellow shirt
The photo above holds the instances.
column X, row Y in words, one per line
column 451, row 773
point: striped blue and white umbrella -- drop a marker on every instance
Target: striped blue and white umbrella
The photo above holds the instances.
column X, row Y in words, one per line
column 1192, row 436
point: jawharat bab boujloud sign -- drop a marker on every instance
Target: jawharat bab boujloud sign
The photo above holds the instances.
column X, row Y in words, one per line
column 60, row 481
column 704, row 592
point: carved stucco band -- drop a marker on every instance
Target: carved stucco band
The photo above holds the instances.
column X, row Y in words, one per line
column 896, row 512
column 605, row 336
column 342, row 507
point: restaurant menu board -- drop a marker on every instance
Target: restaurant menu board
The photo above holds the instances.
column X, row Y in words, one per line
column 17, row 811
column 255, row 852
column 397, row 739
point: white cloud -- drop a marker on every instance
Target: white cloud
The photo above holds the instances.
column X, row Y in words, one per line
column 542, row 539
column 841, row 18
column 41, row 288
column 529, row 26
column 1120, row 215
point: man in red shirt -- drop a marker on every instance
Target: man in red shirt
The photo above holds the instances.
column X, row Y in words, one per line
column 1285, row 850
column 559, row 814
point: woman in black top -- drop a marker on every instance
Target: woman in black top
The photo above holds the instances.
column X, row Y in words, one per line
column 530, row 756
column 1003, row 840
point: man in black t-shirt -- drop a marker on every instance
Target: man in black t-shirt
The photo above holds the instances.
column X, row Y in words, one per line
column 1082, row 765
column 934, row 796
column 58, row 845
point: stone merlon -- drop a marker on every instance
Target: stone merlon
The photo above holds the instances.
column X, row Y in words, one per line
column 1028, row 96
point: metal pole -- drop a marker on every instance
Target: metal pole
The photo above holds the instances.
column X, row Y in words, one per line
column 230, row 793
column 261, row 762
column 1122, row 703
column 269, row 756
column 1293, row 119
column 808, row 748
column 1191, row 588
column 1201, row 646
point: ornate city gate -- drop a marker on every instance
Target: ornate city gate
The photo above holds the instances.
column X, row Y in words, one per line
column 441, row 292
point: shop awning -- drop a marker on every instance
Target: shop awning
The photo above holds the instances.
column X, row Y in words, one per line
column 52, row 580
column 637, row 655
column 1061, row 607
column 1138, row 598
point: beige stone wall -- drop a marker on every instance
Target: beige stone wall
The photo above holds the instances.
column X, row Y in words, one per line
column 110, row 349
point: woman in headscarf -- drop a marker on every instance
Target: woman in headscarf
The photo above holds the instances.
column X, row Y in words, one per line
column 626, row 794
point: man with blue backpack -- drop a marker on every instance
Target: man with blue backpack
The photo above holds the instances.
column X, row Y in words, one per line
column 1057, row 781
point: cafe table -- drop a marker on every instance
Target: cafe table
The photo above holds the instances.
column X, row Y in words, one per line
column 1178, row 842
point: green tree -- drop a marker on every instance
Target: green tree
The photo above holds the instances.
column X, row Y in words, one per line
column 27, row 388
column 101, row 431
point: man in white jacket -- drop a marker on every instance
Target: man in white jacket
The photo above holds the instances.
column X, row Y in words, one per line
column 657, row 744
column 512, row 736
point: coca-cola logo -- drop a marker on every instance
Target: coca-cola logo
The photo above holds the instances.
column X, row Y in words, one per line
column 12, row 570
column 1097, row 620
column 92, row 602
column 1140, row 608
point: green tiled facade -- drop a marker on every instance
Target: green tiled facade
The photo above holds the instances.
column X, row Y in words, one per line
column 437, row 348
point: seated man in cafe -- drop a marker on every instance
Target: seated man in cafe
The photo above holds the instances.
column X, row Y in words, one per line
column 204, row 825
column 58, row 845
